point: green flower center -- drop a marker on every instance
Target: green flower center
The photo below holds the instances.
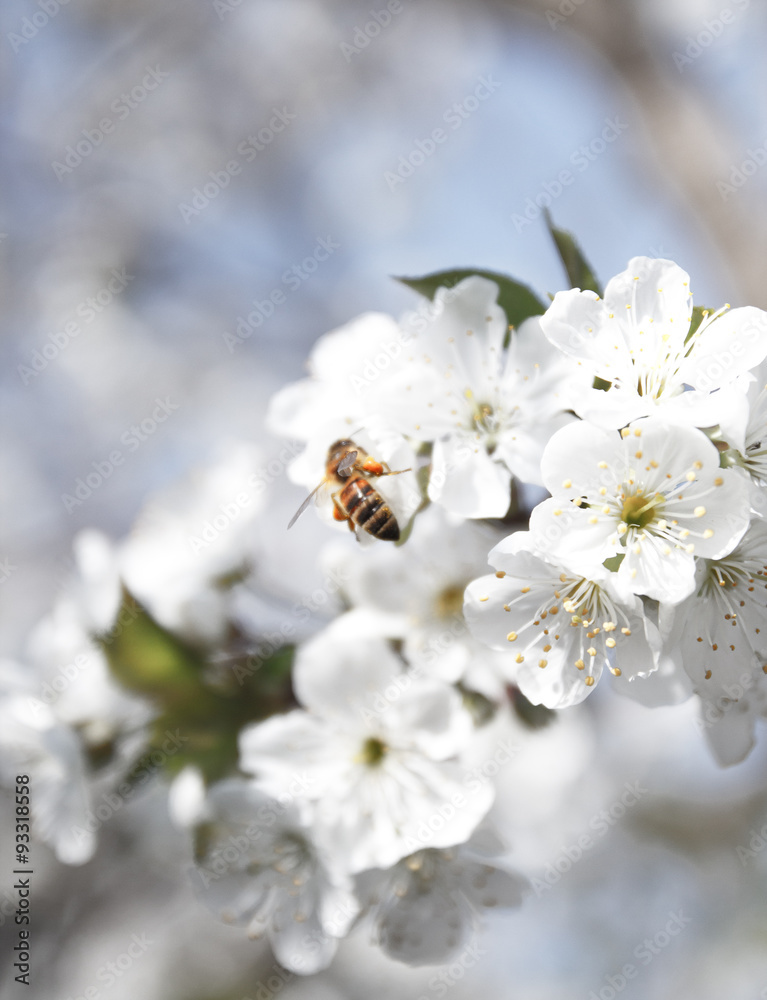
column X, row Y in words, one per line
column 373, row 752
column 639, row 511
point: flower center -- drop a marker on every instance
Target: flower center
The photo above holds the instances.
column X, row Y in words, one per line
column 292, row 856
column 373, row 752
column 449, row 602
column 483, row 416
column 652, row 383
column 639, row 511
column 486, row 420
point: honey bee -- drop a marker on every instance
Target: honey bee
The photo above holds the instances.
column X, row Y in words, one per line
column 354, row 499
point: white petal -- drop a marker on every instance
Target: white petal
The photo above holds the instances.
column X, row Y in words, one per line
column 302, row 946
column 296, row 753
column 430, row 716
column 186, row 797
column 471, row 316
column 727, row 347
column 466, row 481
column 577, row 323
column 340, row 676
column 578, row 537
column 580, row 457
column 668, row 685
column 658, row 571
column 657, row 294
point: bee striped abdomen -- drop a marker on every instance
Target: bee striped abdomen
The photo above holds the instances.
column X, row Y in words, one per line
column 366, row 508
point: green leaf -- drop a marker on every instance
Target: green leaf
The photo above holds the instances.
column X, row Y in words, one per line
column 517, row 300
column 146, row 658
column 199, row 715
column 578, row 269
column 613, row 563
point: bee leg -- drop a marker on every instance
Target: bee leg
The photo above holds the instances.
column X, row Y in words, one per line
column 339, row 514
column 388, row 472
column 373, row 468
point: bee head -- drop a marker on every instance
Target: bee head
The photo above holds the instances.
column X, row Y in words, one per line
column 339, row 447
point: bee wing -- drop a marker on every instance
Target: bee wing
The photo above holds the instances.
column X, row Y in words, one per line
column 305, row 504
column 347, row 462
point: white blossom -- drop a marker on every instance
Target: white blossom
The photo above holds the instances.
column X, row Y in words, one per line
column 261, row 867
column 426, row 907
column 374, row 757
column 333, row 404
column 719, row 634
column 34, row 742
column 487, row 408
column 70, row 673
column 745, row 430
column 560, row 629
column 635, row 338
column 653, row 494
column 192, row 541
column 416, row 594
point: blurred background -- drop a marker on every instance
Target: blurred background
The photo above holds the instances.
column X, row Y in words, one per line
column 193, row 193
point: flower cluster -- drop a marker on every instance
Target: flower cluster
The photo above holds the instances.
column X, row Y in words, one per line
column 343, row 727
column 643, row 419
column 648, row 558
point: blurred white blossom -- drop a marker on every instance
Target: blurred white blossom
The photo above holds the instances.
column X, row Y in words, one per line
column 373, row 756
